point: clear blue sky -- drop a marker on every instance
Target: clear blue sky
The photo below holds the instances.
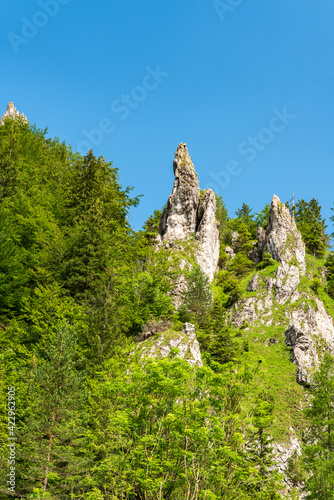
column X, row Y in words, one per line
column 247, row 84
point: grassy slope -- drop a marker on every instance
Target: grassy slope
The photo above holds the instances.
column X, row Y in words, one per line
column 277, row 375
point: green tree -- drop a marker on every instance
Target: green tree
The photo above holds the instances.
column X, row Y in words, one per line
column 319, row 436
column 312, row 226
column 244, row 216
column 171, row 431
column 198, row 296
column 330, row 274
column 262, row 218
column 53, row 432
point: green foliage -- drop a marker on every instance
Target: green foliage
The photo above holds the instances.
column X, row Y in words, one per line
column 222, row 347
column 261, row 219
column 222, row 218
column 245, row 217
column 330, row 274
column 266, row 261
column 312, row 226
column 241, row 265
column 198, row 297
column 171, row 440
column 77, row 285
column 151, row 226
column 319, row 436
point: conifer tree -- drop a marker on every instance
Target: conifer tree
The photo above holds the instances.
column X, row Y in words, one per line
column 319, row 435
column 312, row 226
column 53, row 432
column 198, row 296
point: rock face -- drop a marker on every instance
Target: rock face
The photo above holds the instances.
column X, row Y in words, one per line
column 310, row 331
column 185, row 341
column 283, row 240
column 12, row 112
column 190, row 217
column 207, row 235
column 179, row 218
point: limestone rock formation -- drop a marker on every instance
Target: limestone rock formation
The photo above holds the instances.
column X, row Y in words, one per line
column 12, row 112
column 261, row 236
column 191, row 218
column 230, row 252
column 310, row 332
column 185, row 341
column 283, row 240
column 207, row 235
column 179, row 219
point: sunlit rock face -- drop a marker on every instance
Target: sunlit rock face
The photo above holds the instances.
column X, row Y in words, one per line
column 11, row 112
column 189, row 216
column 283, row 240
column 179, row 219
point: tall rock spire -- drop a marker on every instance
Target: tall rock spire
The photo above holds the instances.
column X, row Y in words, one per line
column 179, row 219
column 283, row 240
column 189, row 216
column 12, row 112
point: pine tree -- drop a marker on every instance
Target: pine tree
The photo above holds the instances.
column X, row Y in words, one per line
column 198, row 296
column 312, row 226
column 53, row 432
column 319, row 436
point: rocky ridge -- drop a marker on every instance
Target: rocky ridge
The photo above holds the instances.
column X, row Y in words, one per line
column 306, row 326
column 11, row 112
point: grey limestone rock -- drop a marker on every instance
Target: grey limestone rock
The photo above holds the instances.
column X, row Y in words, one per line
column 287, row 280
column 189, row 217
column 188, row 328
column 283, row 240
column 261, row 236
column 310, row 332
column 179, row 218
column 185, row 341
column 254, row 283
column 11, row 112
column 234, row 238
column 230, row 252
column 207, row 235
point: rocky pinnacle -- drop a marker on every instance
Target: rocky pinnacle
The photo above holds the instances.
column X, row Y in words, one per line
column 11, row 112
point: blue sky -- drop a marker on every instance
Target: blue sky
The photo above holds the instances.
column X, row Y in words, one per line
column 247, row 84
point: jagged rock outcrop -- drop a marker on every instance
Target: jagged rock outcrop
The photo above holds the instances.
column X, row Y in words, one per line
column 230, row 252
column 179, row 219
column 207, row 235
column 310, row 332
column 11, row 112
column 285, row 453
column 254, row 283
column 283, row 240
column 192, row 218
column 261, row 236
column 185, row 341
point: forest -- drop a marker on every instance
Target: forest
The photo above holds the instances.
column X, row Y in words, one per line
column 93, row 418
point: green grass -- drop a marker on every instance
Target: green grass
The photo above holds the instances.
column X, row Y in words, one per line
column 277, row 376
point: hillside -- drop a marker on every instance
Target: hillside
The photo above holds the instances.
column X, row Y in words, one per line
column 192, row 359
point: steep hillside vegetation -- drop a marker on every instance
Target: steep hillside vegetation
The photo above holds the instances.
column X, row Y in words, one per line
column 187, row 360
